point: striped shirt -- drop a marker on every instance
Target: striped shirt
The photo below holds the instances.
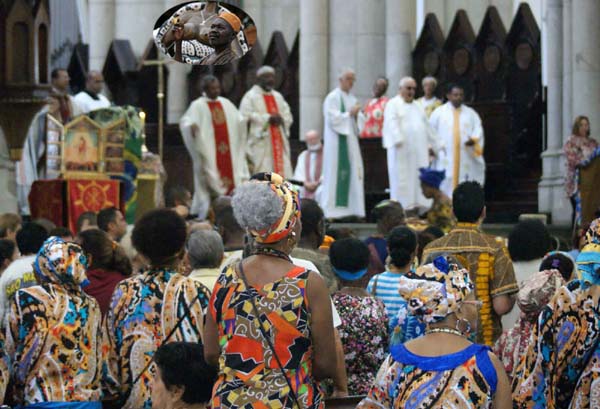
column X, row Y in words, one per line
column 387, row 291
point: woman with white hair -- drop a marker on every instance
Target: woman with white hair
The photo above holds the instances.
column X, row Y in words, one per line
column 263, row 329
column 429, row 102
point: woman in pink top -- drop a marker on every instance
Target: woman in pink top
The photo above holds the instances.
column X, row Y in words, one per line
column 578, row 147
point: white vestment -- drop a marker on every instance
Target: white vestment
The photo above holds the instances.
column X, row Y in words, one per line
column 429, row 105
column 407, row 136
column 254, row 111
column 471, row 164
column 27, row 170
column 202, row 148
column 8, row 198
column 300, row 172
column 86, row 103
column 341, row 123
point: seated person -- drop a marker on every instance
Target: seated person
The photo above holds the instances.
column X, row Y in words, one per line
column 183, row 378
column 364, row 329
column 440, row 214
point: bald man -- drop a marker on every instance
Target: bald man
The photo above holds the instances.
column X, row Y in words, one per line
column 309, row 167
column 90, row 98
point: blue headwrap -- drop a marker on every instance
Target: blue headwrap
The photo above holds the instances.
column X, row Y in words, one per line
column 349, row 275
column 432, row 177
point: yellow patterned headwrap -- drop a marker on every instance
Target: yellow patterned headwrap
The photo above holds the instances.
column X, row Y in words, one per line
column 291, row 209
column 435, row 290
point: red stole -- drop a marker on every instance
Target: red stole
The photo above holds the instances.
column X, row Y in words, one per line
column 276, row 137
column 318, row 169
column 222, row 148
column 65, row 108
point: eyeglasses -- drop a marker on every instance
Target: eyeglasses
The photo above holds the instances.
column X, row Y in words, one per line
column 477, row 303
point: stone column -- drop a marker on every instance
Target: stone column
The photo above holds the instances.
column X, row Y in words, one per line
column 314, row 67
column 551, row 196
column 177, row 91
column 567, row 62
column 101, row 22
column 357, row 40
column 400, row 24
column 134, row 21
column 8, row 181
column 586, row 61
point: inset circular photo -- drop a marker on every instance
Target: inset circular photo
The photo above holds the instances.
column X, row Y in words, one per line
column 204, row 33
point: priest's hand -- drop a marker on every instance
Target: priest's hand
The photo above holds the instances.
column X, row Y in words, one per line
column 470, row 142
column 431, row 153
column 275, row 119
column 355, row 110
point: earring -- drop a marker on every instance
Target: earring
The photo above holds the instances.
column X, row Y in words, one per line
column 467, row 329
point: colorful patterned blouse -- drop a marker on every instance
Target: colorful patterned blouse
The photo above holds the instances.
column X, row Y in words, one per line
column 143, row 311
column 364, row 334
column 374, row 118
column 441, row 215
column 562, row 365
column 4, row 372
column 53, row 332
column 512, row 345
column 249, row 375
column 465, row 379
column 577, row 149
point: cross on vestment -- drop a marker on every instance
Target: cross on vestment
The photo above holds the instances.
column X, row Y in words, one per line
column 160, row 95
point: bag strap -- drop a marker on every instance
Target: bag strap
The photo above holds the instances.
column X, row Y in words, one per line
column 169, row 335
column 266, row 336
column 374, row 289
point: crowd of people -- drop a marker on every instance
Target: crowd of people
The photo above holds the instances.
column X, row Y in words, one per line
column 262, row 305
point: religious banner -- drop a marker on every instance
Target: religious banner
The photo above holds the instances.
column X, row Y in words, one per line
column 46, row 200
column 132, row 151
column 54, row 137
column 81, row 149
column 90, row 196
column 276, row 137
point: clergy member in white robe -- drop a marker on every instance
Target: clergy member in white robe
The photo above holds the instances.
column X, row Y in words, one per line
column 410, row 142
column 343, row 191
column 90, row 98
column 214, row 134
column 309, row 167
column 429, row 102
column 461, row 136
column 269, row 118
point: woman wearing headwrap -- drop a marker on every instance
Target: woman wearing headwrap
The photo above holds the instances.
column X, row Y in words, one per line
column 442, row 369
column 440, row 214
column 53, row 333
column 534, row 294
column 562, row 366
column 270, row 325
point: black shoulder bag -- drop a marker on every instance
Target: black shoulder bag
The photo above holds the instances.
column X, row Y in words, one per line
column 266, row 336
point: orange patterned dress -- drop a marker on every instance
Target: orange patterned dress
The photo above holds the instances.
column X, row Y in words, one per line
column 249, row 375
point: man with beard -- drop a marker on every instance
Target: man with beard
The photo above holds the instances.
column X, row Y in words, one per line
column 269, row 118
column 222, row 32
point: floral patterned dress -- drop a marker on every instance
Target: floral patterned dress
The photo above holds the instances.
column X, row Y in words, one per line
column 512, row 345
column 577, row 149
column 364, row 335
column 249, row 375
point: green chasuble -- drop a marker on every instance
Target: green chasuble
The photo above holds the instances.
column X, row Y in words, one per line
column 342, row 193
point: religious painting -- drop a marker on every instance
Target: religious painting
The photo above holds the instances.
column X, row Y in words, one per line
column 114, row 148
column 204, row 33
column 54, row 134
column 116, row 136
column 115, row 167
column 81, row 147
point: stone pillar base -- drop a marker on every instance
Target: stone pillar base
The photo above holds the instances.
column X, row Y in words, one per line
column 551, row 189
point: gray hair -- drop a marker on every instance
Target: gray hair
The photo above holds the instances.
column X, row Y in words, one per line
column 405, row 80
column 429, row 79
column 205, row 249
column 346, row 70
column 256, row 206
column 265, row 69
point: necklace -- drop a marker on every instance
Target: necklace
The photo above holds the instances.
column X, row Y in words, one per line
column 270, row 252
column 445, row 330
